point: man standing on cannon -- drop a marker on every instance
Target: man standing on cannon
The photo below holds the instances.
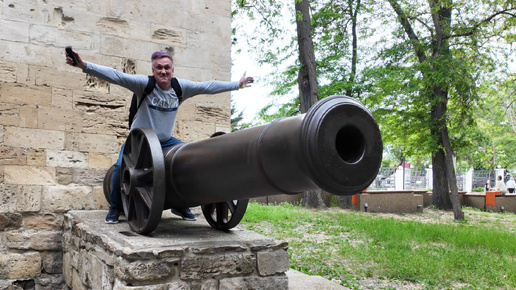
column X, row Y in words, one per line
column 157, row 109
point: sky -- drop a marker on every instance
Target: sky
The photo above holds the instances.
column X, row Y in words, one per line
column 251, row 99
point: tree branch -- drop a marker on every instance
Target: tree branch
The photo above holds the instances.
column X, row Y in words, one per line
column 488, row 19
column 408, row 30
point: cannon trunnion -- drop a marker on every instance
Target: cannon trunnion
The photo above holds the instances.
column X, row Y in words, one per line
column 335, row 146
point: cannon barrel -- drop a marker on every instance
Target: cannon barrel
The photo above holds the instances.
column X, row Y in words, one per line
column 335, row 146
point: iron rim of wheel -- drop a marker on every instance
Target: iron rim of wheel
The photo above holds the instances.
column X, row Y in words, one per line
column 142, row 180
column 106, row 185
column 225, row 215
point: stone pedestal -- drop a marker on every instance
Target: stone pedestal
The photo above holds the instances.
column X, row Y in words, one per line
column 178, row 255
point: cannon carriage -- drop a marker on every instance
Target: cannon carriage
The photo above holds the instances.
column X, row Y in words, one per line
column 335, row 146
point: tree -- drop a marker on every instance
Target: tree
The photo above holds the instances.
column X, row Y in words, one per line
column 421, row 79
column 307, row 80
column 443, row 74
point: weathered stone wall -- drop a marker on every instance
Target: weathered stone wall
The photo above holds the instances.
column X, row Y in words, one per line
column 60, row 129
column 177, row 256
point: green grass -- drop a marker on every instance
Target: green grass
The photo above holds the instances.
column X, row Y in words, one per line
column 347, row 246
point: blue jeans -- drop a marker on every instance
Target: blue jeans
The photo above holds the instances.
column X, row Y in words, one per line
column 115, row 194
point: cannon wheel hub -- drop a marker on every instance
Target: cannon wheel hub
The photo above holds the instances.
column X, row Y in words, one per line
column 142, row 179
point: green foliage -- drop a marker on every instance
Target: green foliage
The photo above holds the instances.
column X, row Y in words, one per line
column 466, row 58
column 348, row 246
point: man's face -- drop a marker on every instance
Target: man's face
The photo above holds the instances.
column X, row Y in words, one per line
column 163, row 71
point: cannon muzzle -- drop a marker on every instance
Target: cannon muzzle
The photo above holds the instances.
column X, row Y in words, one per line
column 335, row 146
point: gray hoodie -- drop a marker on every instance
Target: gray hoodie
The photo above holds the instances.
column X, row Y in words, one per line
column 159, row 109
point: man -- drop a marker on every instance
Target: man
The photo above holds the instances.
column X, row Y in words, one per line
column 157, row 110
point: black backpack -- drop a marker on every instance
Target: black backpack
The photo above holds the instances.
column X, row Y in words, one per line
column 148, row 89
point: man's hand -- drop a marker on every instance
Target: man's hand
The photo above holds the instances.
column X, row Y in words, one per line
column 80, row 62
column 245, row 81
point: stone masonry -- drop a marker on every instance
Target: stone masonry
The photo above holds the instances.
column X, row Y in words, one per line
column 60, row 129
column 178, row 255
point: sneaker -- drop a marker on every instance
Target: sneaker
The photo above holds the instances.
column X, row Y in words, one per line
column 112, row 216
column 185, row 213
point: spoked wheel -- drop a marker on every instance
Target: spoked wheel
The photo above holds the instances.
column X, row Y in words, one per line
column 142, row 179
column 225, row 215
column 106, row 185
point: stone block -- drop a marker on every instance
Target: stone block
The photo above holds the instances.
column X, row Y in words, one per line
column 20, row 265
column 34, row 240
column 12, row 156
column 24, row 10
column 200, row 267
column 99, row 161
column 272, row 263
column 9, row 114
column 25, row 74
column 214, row 114
column 207, row 284
column 134, row 49
column 59, row 119
column 28, row 117
column 34, row 138
column 8, row 195
column 8, row 72
column 52, row 262
column 67, row 159
column 10, row 221
column 29, row 175
column 46, row 241
column 67, row 269
column 188, row 131
column 14, row 31
column 90, row 177
column 62, row 98
column 36, row 157
column 16, row 93
column 61, row 198
column 180, row 285
column 18, row 240
column 50, row 77
column 102, row 276
column 64, row 176
column 113, row 25
column 48, row 221
column 99, row 198
column 273, row 282
column 76, row 281
column 29, row 198
column 98, row 143
column 46, row 36
column 169, row 35
column 141, row 271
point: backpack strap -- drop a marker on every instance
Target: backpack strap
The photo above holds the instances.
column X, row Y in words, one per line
column 177, row 88
column 148, row 89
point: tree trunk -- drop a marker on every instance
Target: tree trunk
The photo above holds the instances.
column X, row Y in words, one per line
column 458, row 214
column 440, row 195
column 307, row 80
column 307, row 77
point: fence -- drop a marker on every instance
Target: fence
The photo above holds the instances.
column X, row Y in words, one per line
column 398, row 178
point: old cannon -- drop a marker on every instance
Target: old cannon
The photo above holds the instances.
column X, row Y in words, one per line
column 335, row 146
